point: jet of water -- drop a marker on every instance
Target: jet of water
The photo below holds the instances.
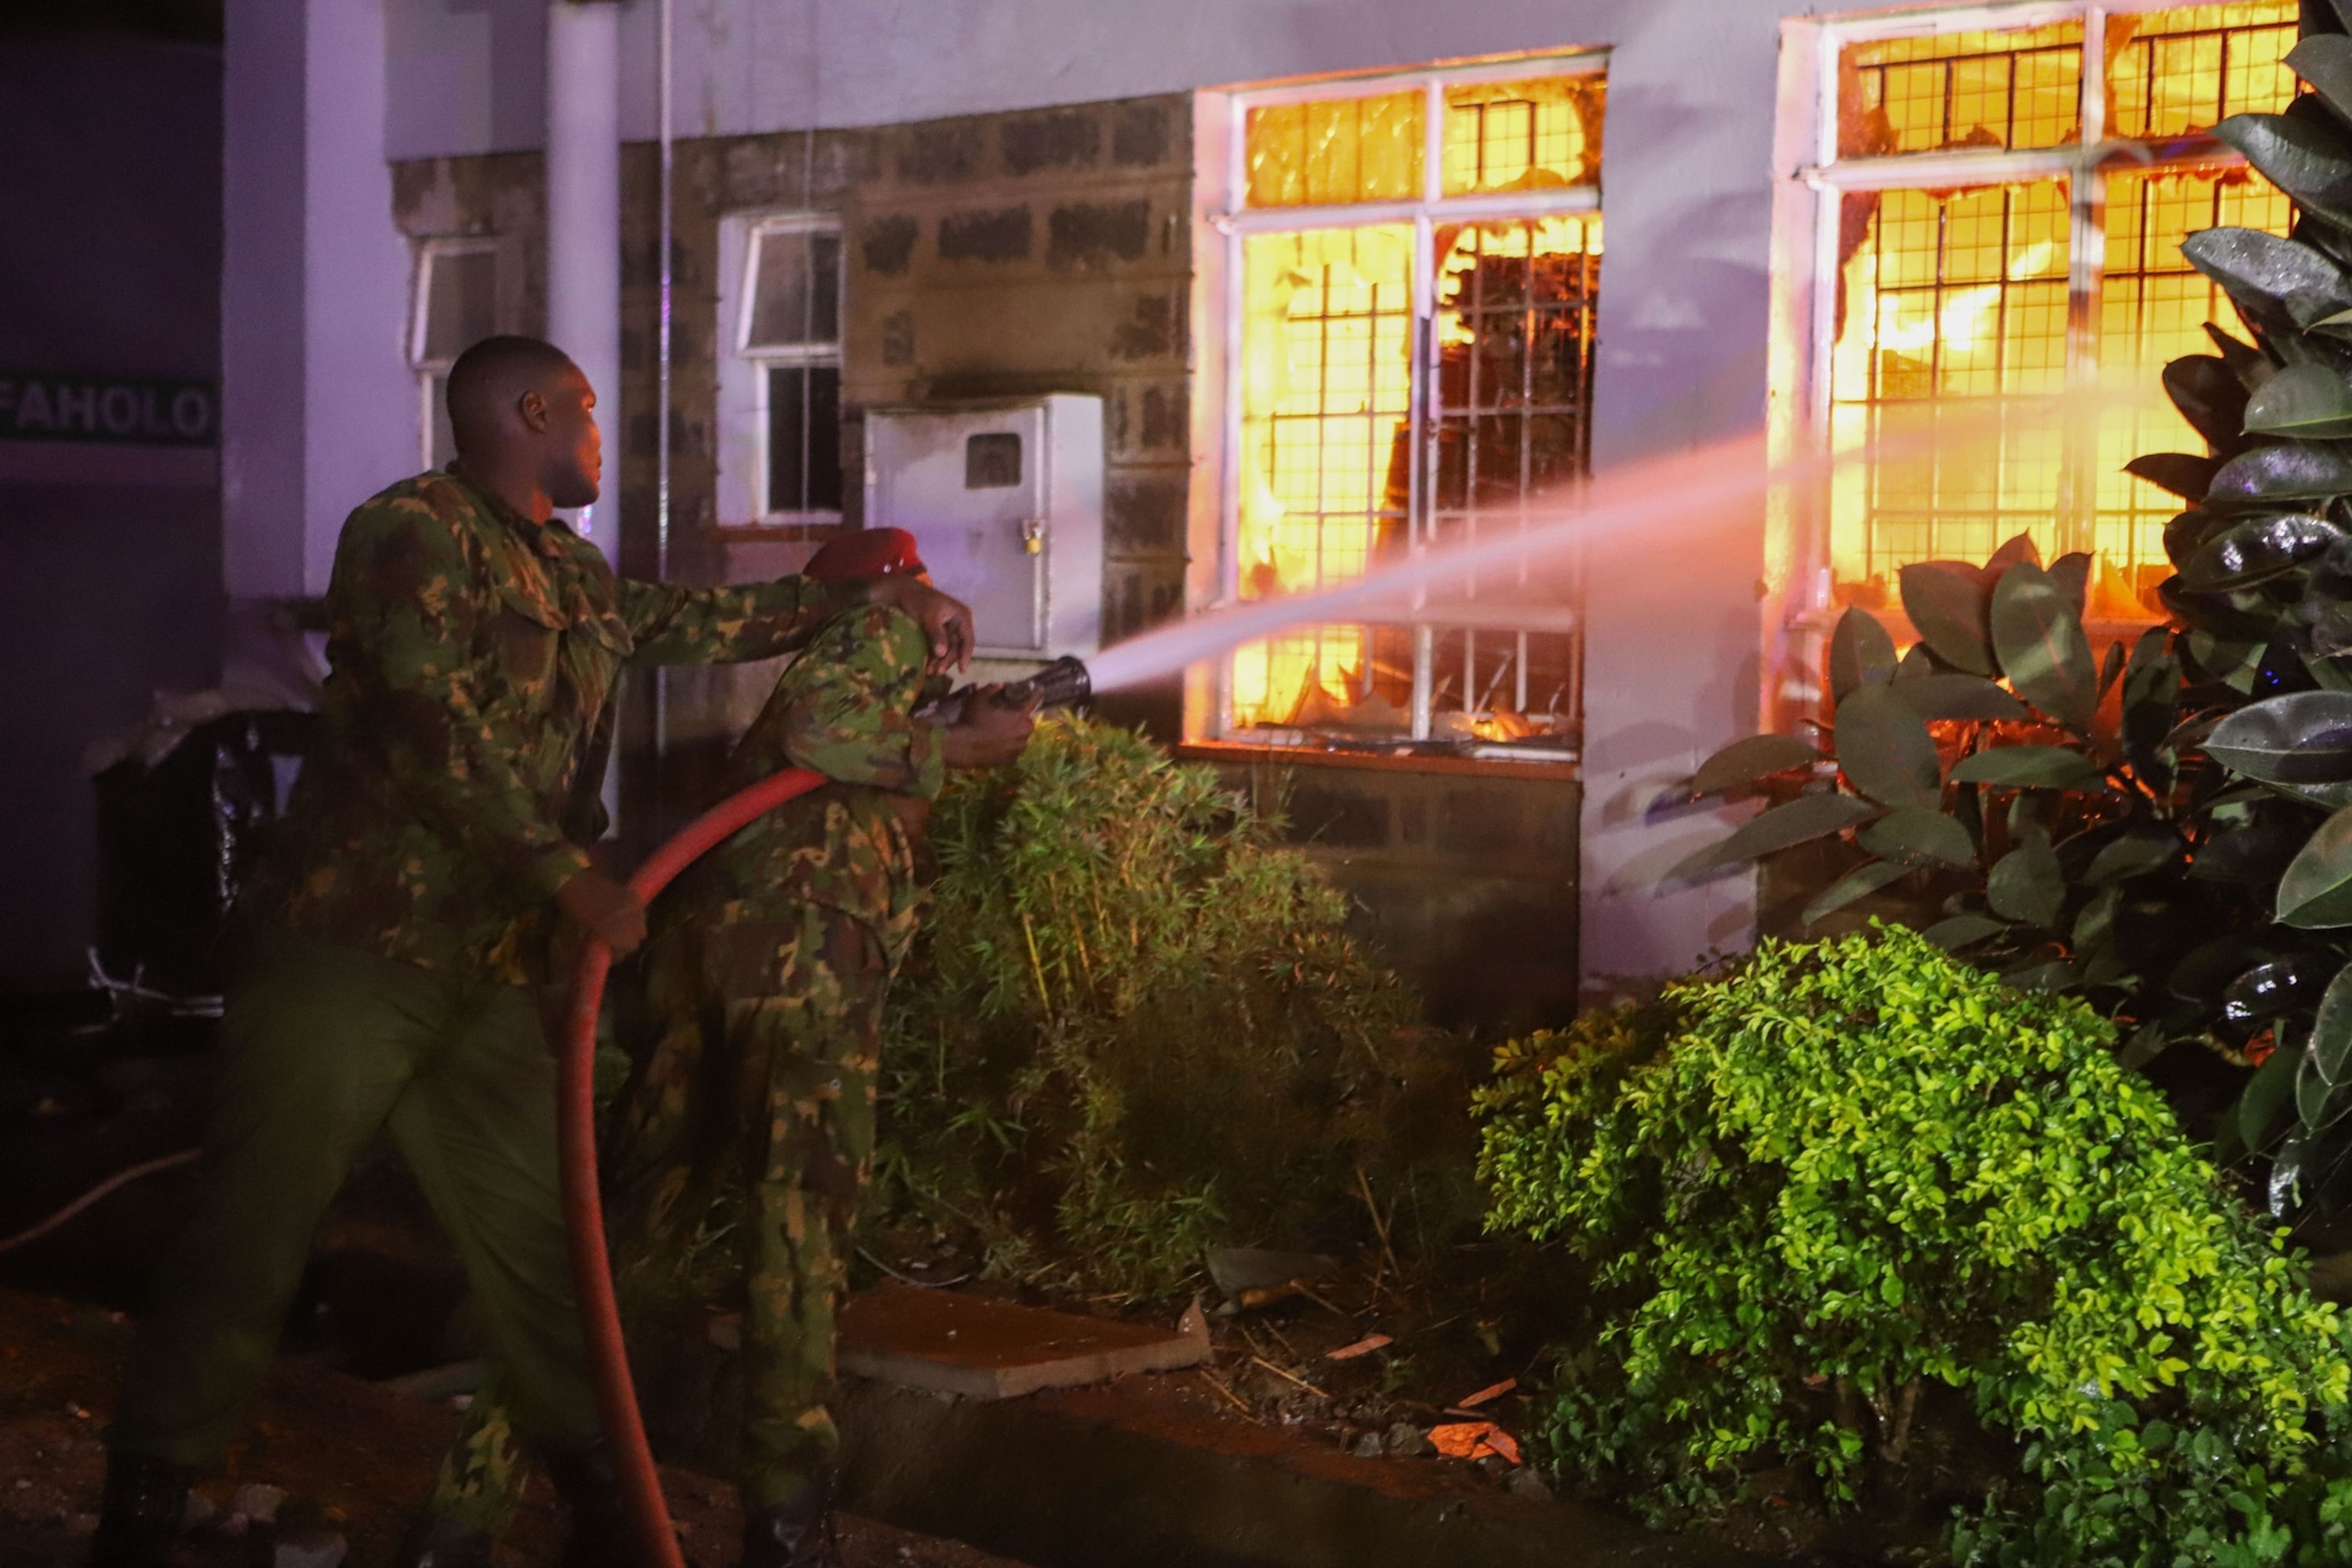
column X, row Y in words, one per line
column 1663, row 494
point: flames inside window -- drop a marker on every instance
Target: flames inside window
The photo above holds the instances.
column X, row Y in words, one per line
column 1948, row 300
column 1369, row 429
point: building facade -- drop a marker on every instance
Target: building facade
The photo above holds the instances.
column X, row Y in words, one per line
column 1356, row 284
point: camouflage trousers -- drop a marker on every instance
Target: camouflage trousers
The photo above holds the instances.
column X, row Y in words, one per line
column 736, row 1155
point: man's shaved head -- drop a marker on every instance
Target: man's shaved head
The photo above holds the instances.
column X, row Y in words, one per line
column 524, row 419
column 490, row 378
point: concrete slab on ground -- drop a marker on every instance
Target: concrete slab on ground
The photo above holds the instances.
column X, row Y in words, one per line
column 949, row 1343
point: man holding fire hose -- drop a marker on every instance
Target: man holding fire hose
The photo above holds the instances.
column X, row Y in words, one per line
column 738, row 1148
column 437, row 827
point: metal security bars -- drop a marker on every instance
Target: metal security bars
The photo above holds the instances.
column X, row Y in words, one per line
column 2005, row 193
column 1412, row 273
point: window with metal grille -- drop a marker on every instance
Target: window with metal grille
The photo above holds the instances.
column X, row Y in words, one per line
column 1413, row 267
column 2002, row 221
column 790, row 332
column 454, row 304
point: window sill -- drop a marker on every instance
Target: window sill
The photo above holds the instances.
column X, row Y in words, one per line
column 1487, row 767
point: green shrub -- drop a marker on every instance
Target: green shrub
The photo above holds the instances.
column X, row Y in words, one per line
column 1134, row 1028
column 1862, row 1167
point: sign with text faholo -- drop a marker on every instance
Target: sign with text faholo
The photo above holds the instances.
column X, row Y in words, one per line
column 122, row 410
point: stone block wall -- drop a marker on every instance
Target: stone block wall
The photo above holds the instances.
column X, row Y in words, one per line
column 1464, row 874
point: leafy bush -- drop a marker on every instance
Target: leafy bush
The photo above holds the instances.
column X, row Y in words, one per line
column 2183, row 857
column 1862, row 1167
column 1134, row 1026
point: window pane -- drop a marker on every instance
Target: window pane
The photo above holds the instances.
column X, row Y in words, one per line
column 1327, row 346
column 1349, row 150
column 795, row 290
column 2021, row 88
column 1524, row 135
column 461, row 302
column 2153, row 309
column 1947, row 301
column 804, row 438
column 2171, row 72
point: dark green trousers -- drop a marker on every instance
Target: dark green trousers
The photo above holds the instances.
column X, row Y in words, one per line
column 327, row 1047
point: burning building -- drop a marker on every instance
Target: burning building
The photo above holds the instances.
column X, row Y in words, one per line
column 1281, row 292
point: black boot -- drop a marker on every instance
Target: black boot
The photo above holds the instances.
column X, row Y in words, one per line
column 435, row 1541
column 589, row 1482
column 145, row 1501
column 794, row 1534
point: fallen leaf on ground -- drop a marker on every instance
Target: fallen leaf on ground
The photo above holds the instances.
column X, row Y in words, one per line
column 1473, row 1440
column 1364, row 1346
column 1493, row 1390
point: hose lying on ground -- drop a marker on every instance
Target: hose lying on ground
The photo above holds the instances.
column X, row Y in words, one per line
column 583, row 1210
column 120, row 1179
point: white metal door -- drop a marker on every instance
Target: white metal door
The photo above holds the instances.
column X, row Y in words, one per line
column 970, row 487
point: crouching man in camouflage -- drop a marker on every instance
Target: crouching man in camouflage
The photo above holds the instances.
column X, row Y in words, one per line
column 738, row 1148
column 750, row 1125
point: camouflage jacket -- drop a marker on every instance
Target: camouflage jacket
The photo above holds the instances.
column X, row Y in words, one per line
column 455, row 776
column 844, row 709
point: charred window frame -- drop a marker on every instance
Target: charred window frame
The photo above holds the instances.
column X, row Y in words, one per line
column 1409, row 272
column 454, row 302
column 787, row 332
column 1998, row 195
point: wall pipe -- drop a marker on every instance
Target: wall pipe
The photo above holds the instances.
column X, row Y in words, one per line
column 584, row 1208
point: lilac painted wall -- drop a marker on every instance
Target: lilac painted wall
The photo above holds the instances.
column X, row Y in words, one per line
column 110, row 557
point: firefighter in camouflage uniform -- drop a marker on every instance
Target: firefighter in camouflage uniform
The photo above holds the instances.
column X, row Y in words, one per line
column 397, row 933
column 739, row 1146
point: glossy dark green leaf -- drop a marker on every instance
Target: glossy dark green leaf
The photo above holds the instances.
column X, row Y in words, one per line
column 2288, row 471
column 2224, row 659
column 2297, row 155
column 1916, row 663
column 1948, row 603
column 2017, row 547
column 1885, row 751
column 2247, row 363
column 2269, row 989
column 2331, row 1032
column 1958, row 932
column 2315, row 1099
column 2302, row 738
column 2288, row 282
column 2038, row 637
column 2095, row 926
column 2132, row 855
column 2182, row 473
column 2028, row 767
column 1918, row 836
column 2256, row 551
column 2187, row 532
column 2072, row 573
column 2028, row 884
column 2310, row 402
column 1861, row 654
column 2111, row 667
column 2325, row 796
column 1959, row 697
column 2267, row 1096
column 1858, row 883
column 1745, row 762
column 2151, row 692
column 2203, row 972
column 2051, row 975
column 2211, row 397
column 2315, row 892
column 1798, row 821
column 2325, row 60
column 2254, row 856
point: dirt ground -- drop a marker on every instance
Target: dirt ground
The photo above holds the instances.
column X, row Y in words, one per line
column 351, row 1457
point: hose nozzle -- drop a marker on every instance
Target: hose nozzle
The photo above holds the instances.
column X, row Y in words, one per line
column 1064, row 683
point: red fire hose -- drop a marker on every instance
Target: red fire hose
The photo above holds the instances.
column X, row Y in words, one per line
column 583, row 1210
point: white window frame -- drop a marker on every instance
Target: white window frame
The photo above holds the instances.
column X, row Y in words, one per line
column 2084, row 165
column 1235, row 220
column 430, row 370
column 742, row 481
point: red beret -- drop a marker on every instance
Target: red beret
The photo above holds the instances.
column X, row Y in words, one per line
column 865, row 553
